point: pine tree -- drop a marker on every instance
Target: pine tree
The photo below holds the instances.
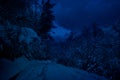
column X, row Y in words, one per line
column 46, row 18
column 97, row 31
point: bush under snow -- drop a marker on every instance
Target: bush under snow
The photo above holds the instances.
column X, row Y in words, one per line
column 21, row 41
column 28, row 35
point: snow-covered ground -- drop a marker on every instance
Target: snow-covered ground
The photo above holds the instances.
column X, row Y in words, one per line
column 22, row 69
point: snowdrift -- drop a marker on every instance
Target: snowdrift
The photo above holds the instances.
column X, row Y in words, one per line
column 22, row 69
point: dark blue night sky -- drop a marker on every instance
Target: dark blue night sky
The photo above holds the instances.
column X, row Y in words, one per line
column 75, row 14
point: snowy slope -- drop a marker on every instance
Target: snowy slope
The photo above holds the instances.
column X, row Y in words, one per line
column 58, row 33
column 22, row 69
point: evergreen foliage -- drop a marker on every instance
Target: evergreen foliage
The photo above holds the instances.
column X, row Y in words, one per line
column 46, row 18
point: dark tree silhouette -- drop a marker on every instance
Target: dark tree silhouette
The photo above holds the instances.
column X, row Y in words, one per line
column 46, row 18
column 96, row 31
column 9, row 8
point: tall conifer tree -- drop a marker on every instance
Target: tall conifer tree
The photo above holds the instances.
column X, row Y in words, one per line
column 46, row 18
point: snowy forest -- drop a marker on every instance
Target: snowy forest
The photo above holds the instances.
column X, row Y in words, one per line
column 30, row 39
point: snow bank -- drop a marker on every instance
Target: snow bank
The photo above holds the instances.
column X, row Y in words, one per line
column 22, row 69
column 10, row 68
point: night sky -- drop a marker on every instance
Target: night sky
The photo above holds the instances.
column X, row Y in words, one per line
column 74, row 14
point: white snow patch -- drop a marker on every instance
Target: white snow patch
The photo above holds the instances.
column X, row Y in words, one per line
column 59, row 33
column 109, row 30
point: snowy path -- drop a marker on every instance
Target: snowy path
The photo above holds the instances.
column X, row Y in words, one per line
column 44, row 70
